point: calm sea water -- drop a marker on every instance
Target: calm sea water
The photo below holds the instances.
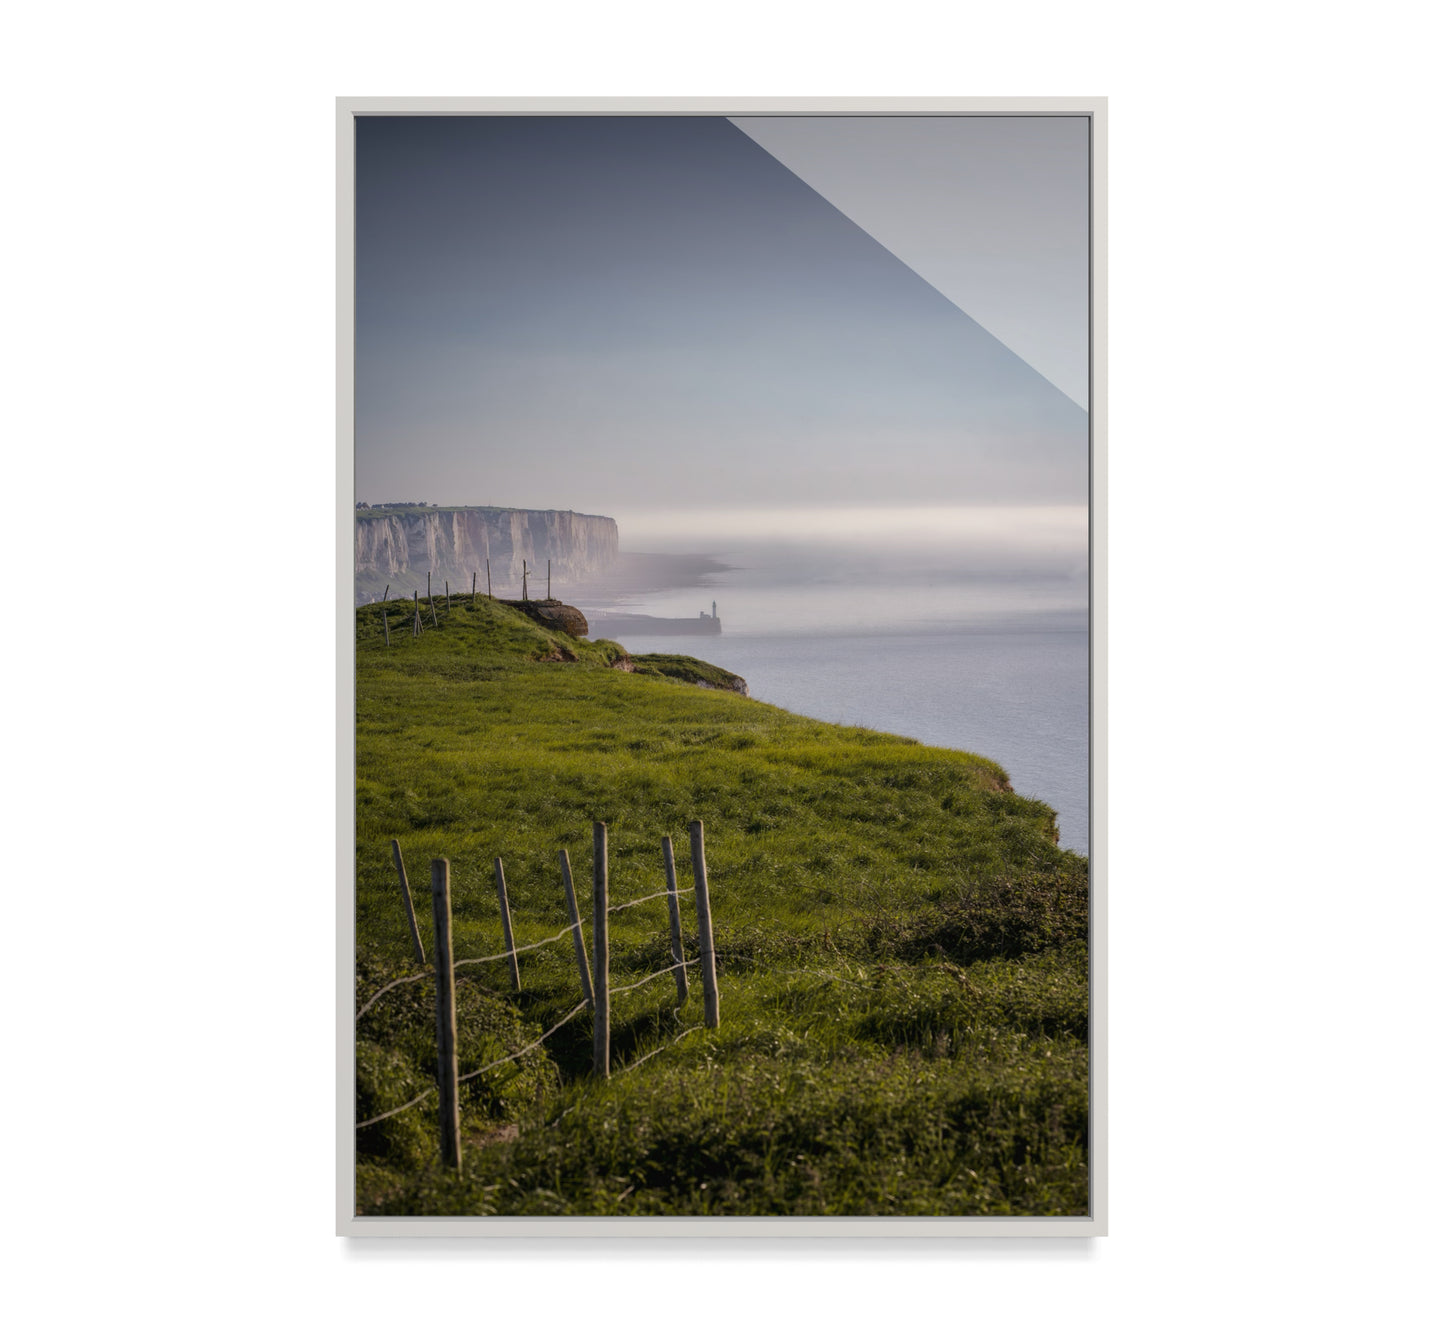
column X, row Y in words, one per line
column 995, row 663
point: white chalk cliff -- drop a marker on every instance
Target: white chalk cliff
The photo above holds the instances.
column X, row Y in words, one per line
column 400, row 547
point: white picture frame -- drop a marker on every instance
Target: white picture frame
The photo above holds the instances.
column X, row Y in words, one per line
column 348, row 110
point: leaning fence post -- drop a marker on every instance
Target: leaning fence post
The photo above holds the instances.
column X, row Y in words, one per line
column 432, row 602
column 406, row 899
column 507, row 924
column 674, row 917
column 385, row 628
column 388, row 589
column 601, row 1037
column 441, row 906
column 704, row 925
column 578, row 947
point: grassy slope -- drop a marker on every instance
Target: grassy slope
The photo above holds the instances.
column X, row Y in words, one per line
column 901, row 948
column 675, row 666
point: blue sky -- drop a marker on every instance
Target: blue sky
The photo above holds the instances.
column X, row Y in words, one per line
column 617, row 315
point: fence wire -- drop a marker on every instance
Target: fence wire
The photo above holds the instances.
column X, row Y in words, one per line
column 465, row 962
column 627, row 1069
column 521, row 948
column 431, row 1092
column 619, row 907
column 653, row 976
column 516, row 1054
column 406, row 1106
column 469, row 885
column 400, row 981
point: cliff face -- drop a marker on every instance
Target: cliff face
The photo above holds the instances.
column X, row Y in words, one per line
column 400, row 546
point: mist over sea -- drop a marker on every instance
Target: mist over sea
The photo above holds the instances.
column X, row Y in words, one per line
column 963, row 630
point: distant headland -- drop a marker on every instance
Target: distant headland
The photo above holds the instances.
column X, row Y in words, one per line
column 403, row 543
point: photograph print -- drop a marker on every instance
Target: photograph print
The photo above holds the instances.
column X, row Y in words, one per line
column 722, row 659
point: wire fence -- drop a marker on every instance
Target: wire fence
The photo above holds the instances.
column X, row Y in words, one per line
column 595, row 981
column 671, row 969
column 523, row 948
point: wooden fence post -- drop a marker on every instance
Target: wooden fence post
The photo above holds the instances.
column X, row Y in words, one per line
column 704, row 926
column 448, row 583
column 524, row 580
column 507, row 924
column 473, row 602
column 674, row 917
column 432, row 602
column 385, row 628
column 578, row 947
column 549, row 578
column 601, row 1013
column 406, row 899
column 415, row 615
column 441, row 906
column 388, row 589
column 489, row 576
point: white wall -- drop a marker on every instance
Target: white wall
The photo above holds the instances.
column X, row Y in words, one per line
column 1274, row 308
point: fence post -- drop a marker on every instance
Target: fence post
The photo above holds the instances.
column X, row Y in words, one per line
column 549, row 578
column 406, row 898
column 674, row 917
column 415, row 615
column 473, row 602
column 601, row 1014
column 489, row 576
column 578, row 947
column 385, row 628
column 704, row 925
column 388, row 589
column 448, row 583
column 507, row 924
column 441, row 906
column 432, row 602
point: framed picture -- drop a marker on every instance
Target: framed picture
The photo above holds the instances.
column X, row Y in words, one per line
column 721, row 638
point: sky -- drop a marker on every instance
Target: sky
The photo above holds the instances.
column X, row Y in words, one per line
column 655, row 315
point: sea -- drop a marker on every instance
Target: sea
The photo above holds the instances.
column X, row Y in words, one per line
column 960, row 644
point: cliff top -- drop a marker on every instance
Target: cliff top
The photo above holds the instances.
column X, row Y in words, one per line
column 389, row 510
column 901, row 950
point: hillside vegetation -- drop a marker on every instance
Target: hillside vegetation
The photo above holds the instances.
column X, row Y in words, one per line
column 901, row 946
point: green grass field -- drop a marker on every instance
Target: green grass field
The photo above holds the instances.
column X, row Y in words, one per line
column 901, row 947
